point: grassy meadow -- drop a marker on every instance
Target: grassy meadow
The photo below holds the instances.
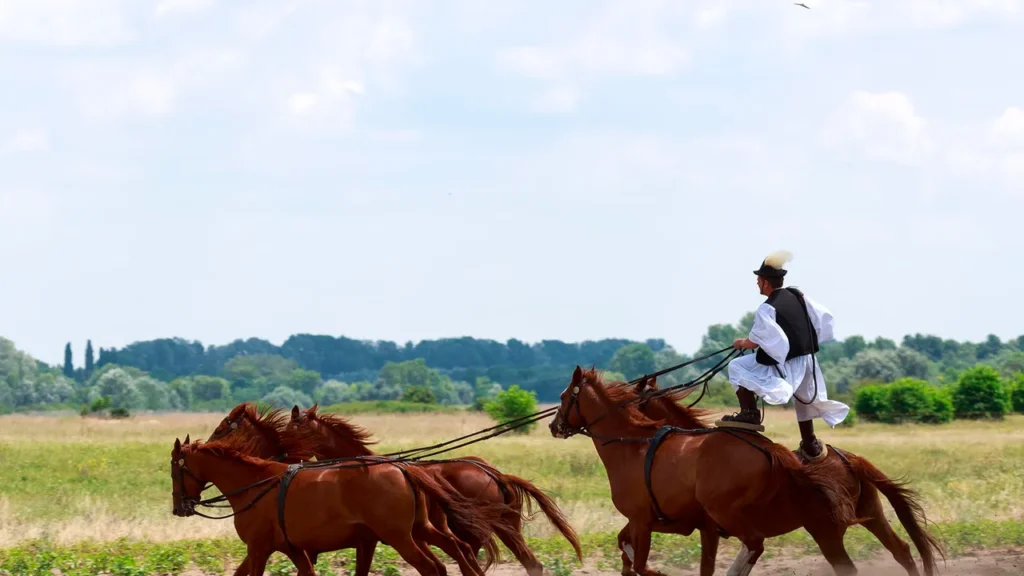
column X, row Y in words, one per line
column 95, row 495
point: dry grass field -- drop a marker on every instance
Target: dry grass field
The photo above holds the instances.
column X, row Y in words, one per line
column 67, row 480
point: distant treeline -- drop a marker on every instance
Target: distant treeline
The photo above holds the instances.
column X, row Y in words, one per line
column 183, row 374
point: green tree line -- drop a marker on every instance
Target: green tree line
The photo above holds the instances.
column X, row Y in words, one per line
column 173, row 373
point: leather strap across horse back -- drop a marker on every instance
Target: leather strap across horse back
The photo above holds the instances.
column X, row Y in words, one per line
column 655, row 442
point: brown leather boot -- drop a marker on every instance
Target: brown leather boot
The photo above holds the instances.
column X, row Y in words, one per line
column 810, row 447
column 748, row 414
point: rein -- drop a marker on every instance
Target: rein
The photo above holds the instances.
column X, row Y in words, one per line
column 191, row 503
column 702, row 380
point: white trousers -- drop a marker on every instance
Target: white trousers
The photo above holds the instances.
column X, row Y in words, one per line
column 765, row 382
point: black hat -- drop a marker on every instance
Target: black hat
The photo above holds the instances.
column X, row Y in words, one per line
column 772, row 266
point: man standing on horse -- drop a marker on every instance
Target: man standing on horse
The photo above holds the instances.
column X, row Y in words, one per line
column 788, row 327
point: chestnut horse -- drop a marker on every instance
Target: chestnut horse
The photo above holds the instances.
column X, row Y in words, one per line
column 860, row 478
column 720, row 481
column 267, row 434
column 471, row 476
column 324, row 509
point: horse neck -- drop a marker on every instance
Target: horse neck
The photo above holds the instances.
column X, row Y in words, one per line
column 333, row 445
column 229, row 474
column 609, row 420
column 676, row 415
column 264, row 448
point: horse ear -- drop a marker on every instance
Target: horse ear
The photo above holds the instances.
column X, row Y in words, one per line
column 186, row 439
column 577, row 375
column 177, row 444
column 295, row 412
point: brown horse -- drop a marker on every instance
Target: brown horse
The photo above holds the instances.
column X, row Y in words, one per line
column 471, row 476
column 267, row 434
column 860, row 478
column 729, row 482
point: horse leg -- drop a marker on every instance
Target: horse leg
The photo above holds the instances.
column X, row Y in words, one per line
column 439, row 521
column 747, row 557
column 413, row 555
column 878, row 525
column 708, row 549
column 450, row 546
column 514, row 541
column 627, row 551
column 830, row 542
column 243, row 568
column 442, row 570
column 640, row 534
column 302, row 562
column 258, row 560
column 364, row 557
column 733, row 520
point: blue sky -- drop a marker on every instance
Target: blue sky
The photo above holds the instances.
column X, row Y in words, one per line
column 411, row 170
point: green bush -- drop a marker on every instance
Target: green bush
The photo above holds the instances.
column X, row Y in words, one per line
column 1017, row 393
column 905, row 400
column 512, row 404
column 980, row 393
column 872, row 402
column 419, row 395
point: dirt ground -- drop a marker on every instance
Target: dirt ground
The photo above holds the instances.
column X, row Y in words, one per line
column 995, row 563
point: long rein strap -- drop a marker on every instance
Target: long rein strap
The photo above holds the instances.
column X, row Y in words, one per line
column 215, row 502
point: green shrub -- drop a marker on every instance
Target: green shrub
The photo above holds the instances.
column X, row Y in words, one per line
column 419, row 395
column 872, row 402
column 512, row 404
column 905, row 400
column 980, row 393
column 1017, row 393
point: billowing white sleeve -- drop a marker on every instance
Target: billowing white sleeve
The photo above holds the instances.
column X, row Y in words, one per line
column 767, row 333
column 821, row 319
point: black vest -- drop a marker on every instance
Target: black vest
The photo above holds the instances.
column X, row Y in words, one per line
column 792, row 317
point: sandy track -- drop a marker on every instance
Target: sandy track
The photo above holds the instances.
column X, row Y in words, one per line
column 995, row 563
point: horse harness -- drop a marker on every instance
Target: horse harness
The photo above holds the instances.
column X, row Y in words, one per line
column 659, row 437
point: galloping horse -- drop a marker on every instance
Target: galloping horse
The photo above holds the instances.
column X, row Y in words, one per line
column 719, row 481
column 322, row 509
column 267, row 434
column 471, row 476
column 860, row 478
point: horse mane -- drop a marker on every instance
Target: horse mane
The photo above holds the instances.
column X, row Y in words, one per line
column 618, row 395
column 272, row 425
column 342, row 428
column 233, row 447
column 670, row 402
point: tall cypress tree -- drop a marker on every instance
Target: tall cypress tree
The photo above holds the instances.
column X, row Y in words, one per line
column 69, row 367
column 88, row 358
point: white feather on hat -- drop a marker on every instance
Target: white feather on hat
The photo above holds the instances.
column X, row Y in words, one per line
column 778, row 259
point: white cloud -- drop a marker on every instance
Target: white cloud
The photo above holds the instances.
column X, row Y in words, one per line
column 65, row 22
column 26, row 141
column 165, row 7
column 557, row 99
column 408, row 136
column 623, row 40
column 1008, row 129
column 333, row 95
column 880, row 125
column 110, row 91
column 852, row 18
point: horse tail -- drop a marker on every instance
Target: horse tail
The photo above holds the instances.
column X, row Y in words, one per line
column 524, row 490
column 470, row 518
column 815, row 478
column 908, row 509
